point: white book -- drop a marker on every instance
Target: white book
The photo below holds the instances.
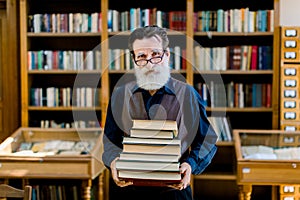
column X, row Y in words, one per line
column 159, row 18
column 246, row 20
column 202, row 58
column 97, row 59
column 197, row 57
column 71, row 24
column 89, row 60
column 227, row 128
column 271, row 21
column 89, row 97
column 50, row 96
column 224, row 58
column 117, row 59
column 84, row 25
column 149, row 157
column 53, row 23
column 95, row 20
column 146, row 20
column 82, row 97
column 252, row 21
column 177, row 56
column 244, row 57
column 115, row 20
column 127, row 59
column 241, row 95
column 226, row 21
column 37, row 23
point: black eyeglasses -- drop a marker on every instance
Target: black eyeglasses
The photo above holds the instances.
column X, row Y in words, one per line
column 153, row 60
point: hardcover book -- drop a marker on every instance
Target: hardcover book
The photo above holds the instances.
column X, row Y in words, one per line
column 151, row 154
column 147, row 165
column 150, row 178
column 156, row 125
column 152, row 133
column 149, row 157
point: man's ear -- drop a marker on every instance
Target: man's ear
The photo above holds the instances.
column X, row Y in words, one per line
column 167, row 52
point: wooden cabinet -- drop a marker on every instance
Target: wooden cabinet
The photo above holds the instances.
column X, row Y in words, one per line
column 264, row 157
column 45, row 162
column 9, row 73
column 289, row 84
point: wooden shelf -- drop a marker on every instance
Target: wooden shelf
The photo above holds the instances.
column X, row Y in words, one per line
column 233, row 34
column 246, row 109
column 75, row 72
column 48, row 34
column 40, row 108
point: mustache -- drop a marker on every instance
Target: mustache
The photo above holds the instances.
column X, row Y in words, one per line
column 151, row 82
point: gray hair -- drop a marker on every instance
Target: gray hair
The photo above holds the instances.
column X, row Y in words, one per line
column 148, row 32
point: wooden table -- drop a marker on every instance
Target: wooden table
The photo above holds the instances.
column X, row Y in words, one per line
column 265, row 172
column 80, row 167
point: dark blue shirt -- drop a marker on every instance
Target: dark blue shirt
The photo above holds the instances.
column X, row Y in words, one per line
column 202, row 148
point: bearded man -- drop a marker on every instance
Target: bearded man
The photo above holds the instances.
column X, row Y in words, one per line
column 154, row 94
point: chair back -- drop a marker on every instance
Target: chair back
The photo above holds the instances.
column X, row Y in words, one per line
column 7, row 191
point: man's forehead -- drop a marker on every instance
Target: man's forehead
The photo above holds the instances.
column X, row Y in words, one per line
column 147, row 50
column 147, row 43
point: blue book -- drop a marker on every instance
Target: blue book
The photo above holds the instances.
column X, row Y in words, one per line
column 220, row 20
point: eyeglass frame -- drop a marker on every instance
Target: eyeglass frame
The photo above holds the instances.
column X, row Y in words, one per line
column 148, row 60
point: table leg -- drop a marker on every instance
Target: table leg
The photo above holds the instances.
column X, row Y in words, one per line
column 245, row 192
column 86, row 189
column 101, row 186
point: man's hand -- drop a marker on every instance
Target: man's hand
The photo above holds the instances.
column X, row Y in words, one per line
column 114, row 174
column 186, row 171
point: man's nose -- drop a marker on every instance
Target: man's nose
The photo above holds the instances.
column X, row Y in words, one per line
column 149, row 65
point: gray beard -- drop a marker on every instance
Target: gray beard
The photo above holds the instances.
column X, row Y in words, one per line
column 152, row 81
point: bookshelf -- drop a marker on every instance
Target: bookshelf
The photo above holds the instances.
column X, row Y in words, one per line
column 60, row 64
column 266, row 116
column 60, row 67
column 109, row 38
column 9, row 96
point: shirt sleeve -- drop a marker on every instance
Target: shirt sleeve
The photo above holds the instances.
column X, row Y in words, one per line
column 112, row 139
column 203, row 147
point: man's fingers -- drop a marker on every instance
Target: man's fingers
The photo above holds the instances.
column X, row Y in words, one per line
column 122, row 183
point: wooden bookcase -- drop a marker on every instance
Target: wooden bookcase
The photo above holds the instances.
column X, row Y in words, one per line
column 68, row 105
column 222, row 171
column 69, row 81
column 9, row 70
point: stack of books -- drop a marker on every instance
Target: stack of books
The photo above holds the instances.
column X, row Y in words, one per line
column 151, row 154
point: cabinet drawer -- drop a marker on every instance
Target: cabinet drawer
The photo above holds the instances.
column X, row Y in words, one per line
column 269, row 172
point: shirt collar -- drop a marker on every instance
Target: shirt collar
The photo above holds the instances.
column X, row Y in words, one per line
column 167, row 88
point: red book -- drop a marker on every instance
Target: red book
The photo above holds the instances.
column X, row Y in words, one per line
column 269, row 95
column 183, row 59
column 155, row 178
column 253, row 65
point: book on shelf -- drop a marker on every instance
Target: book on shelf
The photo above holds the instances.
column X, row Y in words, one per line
column 156, row 125
column 221, row 125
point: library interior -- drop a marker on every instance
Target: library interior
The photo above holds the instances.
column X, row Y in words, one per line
column 61, row 61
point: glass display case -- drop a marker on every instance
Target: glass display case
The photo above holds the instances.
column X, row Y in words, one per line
column 266, row 157
column 33, row 154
